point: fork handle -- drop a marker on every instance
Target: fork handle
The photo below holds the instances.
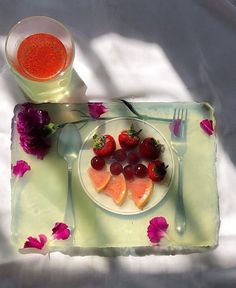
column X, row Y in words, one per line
column 180, row 219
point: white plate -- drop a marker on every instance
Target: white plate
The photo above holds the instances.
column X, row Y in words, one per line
column 114, row 127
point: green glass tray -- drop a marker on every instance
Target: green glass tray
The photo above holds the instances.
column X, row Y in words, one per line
column 39, row 198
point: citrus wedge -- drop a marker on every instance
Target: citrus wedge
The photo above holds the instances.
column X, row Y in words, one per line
column 116, row 189
column 140, row 190
column 99, row 178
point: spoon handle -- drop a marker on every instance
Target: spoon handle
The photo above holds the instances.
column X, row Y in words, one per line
column 69, row 216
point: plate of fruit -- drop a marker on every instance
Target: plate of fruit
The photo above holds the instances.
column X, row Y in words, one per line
column 126, row 166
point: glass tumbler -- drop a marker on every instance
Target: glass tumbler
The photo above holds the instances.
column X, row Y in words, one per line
column 40, row 90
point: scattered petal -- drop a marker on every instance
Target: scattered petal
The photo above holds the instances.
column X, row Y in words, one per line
column 33, row 242
column 96, row 109
column 175, row 127
column 207, row 126
column 31, row 123
column 60, row 231
column 157, row 229
column 20, row 168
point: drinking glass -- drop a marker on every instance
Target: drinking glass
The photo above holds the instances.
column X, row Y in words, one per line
column 38, row 90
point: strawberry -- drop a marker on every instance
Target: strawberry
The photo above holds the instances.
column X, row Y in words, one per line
column 150, row 148
column 103, row 145
column 129, row 138
column 157, row 170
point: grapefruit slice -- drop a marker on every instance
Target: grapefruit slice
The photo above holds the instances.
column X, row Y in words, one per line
column 140, row 190
column 99, row 178
column 116, row 189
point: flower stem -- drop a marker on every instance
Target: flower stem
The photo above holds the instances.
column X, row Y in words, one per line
column 84, row 120
column 83, row 114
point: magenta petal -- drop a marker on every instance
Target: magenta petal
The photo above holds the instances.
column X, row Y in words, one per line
column 60, row 231
column 96, row 109
column 157, row 229
column 33, row 242
column 20, row 168
column 175, row 127
column 207, row 126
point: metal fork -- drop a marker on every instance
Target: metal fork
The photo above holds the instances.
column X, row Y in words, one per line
column 179, row 146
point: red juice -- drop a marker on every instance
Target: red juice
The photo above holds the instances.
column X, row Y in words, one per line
column 41, row 57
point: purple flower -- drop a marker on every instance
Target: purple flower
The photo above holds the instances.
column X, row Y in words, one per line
column 207, row 126
column 20, row 168
column 96, row 109
column 60, row 231
column 33, row 126
column 157, row 229
column 33, row 242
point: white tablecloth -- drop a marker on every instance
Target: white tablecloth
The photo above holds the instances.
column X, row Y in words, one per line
column 152, row 50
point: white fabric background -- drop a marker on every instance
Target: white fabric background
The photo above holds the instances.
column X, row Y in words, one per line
column 144, row 50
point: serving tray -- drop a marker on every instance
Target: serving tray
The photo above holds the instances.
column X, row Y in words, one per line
column 39, row 197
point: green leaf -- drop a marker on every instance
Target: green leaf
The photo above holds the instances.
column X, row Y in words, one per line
column 131, row 108
column 49, row 129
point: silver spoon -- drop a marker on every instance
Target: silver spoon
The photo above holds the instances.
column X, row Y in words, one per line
column 68, row 146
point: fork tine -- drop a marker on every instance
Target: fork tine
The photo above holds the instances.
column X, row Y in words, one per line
column 182, row 114
column 179, row 110
column 173, row 121
column 174, row 116
column 184, row 120
column 186, row 113
column 181, row 122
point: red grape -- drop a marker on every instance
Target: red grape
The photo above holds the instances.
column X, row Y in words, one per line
column 119, row 155
column 97, row 162
column 116, row 168
column 133, row 157
column 140, row 170
column 128, row 172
